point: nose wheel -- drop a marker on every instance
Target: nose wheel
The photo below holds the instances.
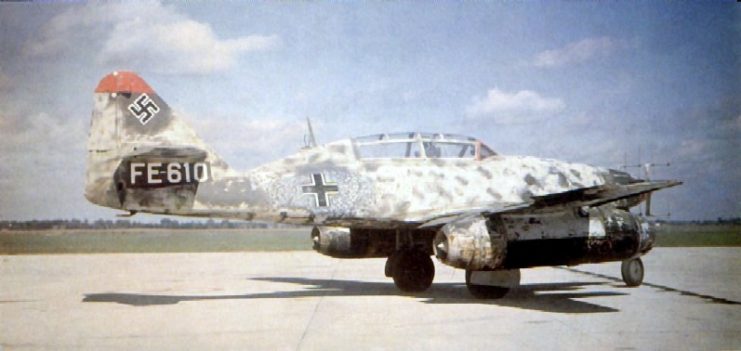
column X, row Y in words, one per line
column 632, row 271
column 411, row 269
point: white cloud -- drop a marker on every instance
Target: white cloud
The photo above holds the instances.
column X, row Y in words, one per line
column 43, row 164
column 248, row 142
column 518, row 107
column 147, row 35
column 691, row 148
column 576, row 52
column 41, row 135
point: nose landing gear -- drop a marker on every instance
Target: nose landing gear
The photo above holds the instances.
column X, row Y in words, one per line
column 632, row 271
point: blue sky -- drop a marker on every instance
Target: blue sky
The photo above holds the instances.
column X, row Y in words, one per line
column 581, row 81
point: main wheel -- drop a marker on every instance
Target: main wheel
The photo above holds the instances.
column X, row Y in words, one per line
column 489, row 291
column 412, row 270
column 632, row 271
column 390, row 264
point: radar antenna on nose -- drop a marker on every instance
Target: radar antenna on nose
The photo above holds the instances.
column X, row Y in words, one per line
column 646, row 168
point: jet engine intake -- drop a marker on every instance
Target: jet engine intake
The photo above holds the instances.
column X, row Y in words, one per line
column 471, row 243
column 331, row 241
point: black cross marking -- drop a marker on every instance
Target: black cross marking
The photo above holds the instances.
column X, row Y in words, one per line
column 319, row 189
column 144, row 108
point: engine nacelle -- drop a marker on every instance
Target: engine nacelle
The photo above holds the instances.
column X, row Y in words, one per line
column 342, row 242
column 594, row 235
column 332, row 241
column 471, row 243
column 598, row 234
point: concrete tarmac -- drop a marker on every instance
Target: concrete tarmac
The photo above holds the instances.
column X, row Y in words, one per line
column 690, row 300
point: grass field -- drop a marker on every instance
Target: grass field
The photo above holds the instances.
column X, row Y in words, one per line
column 153, row 240
column 673, row 235
column 224, row 240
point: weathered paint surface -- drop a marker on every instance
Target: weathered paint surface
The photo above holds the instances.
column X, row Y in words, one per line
column 604, row 233
column 472, row 242
column 142, row 157
column 385, row 189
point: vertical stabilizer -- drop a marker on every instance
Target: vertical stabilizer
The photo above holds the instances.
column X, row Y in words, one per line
column 141, row 155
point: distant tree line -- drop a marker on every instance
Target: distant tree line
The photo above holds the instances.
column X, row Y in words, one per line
column 719, row 220
column 125, row 223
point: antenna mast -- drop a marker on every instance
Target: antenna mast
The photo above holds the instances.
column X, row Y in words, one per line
column 311, row 142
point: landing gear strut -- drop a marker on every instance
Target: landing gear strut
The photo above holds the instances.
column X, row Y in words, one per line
column 632, row 271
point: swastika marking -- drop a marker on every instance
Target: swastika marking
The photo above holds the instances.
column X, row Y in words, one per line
column 144, row 108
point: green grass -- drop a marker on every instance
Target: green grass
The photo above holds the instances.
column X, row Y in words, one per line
column 226, row 240
column 674, row 235
column 153, row 240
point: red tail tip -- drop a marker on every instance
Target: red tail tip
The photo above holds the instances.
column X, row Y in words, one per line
column 123, row 82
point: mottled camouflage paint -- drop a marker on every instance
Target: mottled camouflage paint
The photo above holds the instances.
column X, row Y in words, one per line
column 479, row 204
column 389, row 190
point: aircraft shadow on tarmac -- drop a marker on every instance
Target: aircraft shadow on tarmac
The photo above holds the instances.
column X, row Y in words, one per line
column 551, row 297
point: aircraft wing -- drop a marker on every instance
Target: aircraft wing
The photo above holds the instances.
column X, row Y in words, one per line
column 590, row 196
column 600, row 195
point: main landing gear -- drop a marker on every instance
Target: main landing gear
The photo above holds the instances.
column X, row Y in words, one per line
column 411, row 268
column 410, row 264
column 632, row 271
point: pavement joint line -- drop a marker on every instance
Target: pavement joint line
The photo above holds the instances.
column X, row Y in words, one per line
column 313, row 313
column 711, row 298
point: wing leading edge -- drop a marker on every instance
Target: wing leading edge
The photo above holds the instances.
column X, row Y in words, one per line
column 590, row 197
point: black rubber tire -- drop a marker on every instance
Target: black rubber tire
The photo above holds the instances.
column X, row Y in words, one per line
column 390, row 264
column 632, row 271
column 412, row 270
column 484, row 291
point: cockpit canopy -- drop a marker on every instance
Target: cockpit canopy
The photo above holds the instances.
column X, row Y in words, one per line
column 421, row 145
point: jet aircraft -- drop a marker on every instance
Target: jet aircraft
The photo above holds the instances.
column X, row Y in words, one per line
column 401, row 196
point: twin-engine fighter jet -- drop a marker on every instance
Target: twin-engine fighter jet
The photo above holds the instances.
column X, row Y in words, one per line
column 404, row 196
